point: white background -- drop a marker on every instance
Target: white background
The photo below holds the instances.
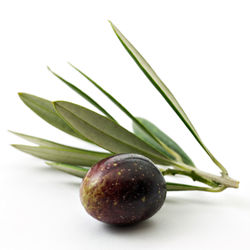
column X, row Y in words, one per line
column 201, row 51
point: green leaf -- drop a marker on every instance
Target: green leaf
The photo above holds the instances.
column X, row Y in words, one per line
column 153, row 77
column 164, row 91
column 183, row 187
column 163, row 137
column 105, row 132
column 46, row 111
column 65, row 155
column 69, row 169
column 44, row 142
column 134, row 119
column 86, row 154
column 40, row 141
column 83, row 94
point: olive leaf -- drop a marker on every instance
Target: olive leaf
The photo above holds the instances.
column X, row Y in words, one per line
column 183, row 187
column 69, row 169
column 40, row 141
column 163, row 137
column 106, row 133
column 164, row 91
column 52, row 151
column 46, row 111
column 63, row 155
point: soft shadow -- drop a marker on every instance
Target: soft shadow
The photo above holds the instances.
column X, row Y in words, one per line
column 73, row 184
column 131, row 229
column 44, row 169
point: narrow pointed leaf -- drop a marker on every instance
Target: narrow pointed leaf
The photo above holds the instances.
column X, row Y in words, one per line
column 39, row 141
column 163, row 137
column 105, row 132
column 44, row 142
column 83, row 94
column 155, row 139
column 164, row 91
column 46, row 111
column 64, row 155
column 69, row 169
column 153, row 77
column 183, row 187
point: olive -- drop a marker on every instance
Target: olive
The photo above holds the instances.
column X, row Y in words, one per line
column 123, row 189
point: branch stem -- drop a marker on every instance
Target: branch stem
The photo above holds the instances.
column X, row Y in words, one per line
column 190, row 174
column 223, row 180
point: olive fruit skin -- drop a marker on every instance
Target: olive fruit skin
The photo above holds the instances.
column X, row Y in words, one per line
column 123, row 189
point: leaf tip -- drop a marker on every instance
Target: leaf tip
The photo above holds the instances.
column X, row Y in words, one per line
column 13, row 132
column 14, row 145
column 74, row 67
column 112, row 25
column 24, row 96
column 51, row 71
column 21, row 95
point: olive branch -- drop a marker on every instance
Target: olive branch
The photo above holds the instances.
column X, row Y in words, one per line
column 104, row 131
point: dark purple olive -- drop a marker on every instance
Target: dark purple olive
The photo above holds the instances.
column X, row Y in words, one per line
column 123, row 189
